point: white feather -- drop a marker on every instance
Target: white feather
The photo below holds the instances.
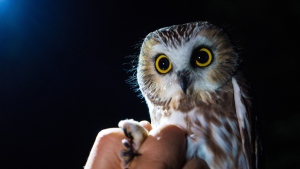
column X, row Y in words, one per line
column 241, row 116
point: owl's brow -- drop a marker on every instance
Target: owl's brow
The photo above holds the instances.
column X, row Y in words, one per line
column 176, row 35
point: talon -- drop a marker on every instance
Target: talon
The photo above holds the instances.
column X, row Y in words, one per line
column 127, row 156
column 127, row 153
column 136, row 135
column 126, row 144
column 127, row 134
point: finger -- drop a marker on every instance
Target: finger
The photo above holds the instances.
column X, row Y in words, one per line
column 104, row 153
column 163, row 149
column 146, row 125
column 196, row 163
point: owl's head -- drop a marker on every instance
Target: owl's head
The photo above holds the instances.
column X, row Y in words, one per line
column 185, row 61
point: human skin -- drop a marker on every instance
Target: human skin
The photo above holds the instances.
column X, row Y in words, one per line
column 164, row 148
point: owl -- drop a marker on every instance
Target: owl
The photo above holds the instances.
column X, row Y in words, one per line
column 188, row 76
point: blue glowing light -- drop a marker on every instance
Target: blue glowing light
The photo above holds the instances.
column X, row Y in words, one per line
column 4, row 4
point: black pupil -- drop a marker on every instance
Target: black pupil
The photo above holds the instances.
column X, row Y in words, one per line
column 163, row 63
column 202, row 57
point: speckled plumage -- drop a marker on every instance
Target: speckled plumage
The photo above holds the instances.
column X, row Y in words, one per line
column 214, row 108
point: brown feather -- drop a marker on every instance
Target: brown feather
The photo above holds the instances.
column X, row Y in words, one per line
column 207, row 109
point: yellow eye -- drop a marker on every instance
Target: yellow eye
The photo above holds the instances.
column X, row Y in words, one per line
column 163, row 64
column 203, row 57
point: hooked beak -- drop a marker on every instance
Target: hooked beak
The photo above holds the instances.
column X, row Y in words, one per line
column 184, row 80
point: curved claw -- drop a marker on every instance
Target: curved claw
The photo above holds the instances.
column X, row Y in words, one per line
column 127, row 144
column 127, row 134
column 136, row 135
column 127, row 156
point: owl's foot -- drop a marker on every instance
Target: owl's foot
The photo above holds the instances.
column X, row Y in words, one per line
column 136, row 135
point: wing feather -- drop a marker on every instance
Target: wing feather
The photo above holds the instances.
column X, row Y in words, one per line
column 247, row 121
column 243, row 120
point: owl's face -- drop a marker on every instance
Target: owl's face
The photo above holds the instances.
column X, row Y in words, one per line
column 185, row 61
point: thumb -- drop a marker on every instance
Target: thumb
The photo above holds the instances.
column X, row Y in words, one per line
column 165, row 148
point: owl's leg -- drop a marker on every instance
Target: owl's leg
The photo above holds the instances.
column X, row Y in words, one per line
column 136, row 135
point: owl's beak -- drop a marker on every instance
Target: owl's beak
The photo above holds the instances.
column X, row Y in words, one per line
column 184, row 80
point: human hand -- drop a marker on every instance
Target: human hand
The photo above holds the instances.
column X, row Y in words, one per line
column 164, row 148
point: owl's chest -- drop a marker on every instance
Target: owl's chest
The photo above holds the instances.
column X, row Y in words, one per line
column 213, row 133
column 199, row 121
column 194, row 113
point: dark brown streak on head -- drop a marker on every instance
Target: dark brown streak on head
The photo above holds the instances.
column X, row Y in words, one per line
column 176, row 35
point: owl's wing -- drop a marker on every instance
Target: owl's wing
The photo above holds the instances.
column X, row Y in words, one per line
column 247, row 120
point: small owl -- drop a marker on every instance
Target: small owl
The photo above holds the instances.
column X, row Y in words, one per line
column 188, row 76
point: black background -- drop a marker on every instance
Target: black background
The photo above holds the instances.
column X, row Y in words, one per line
column 63, row 72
